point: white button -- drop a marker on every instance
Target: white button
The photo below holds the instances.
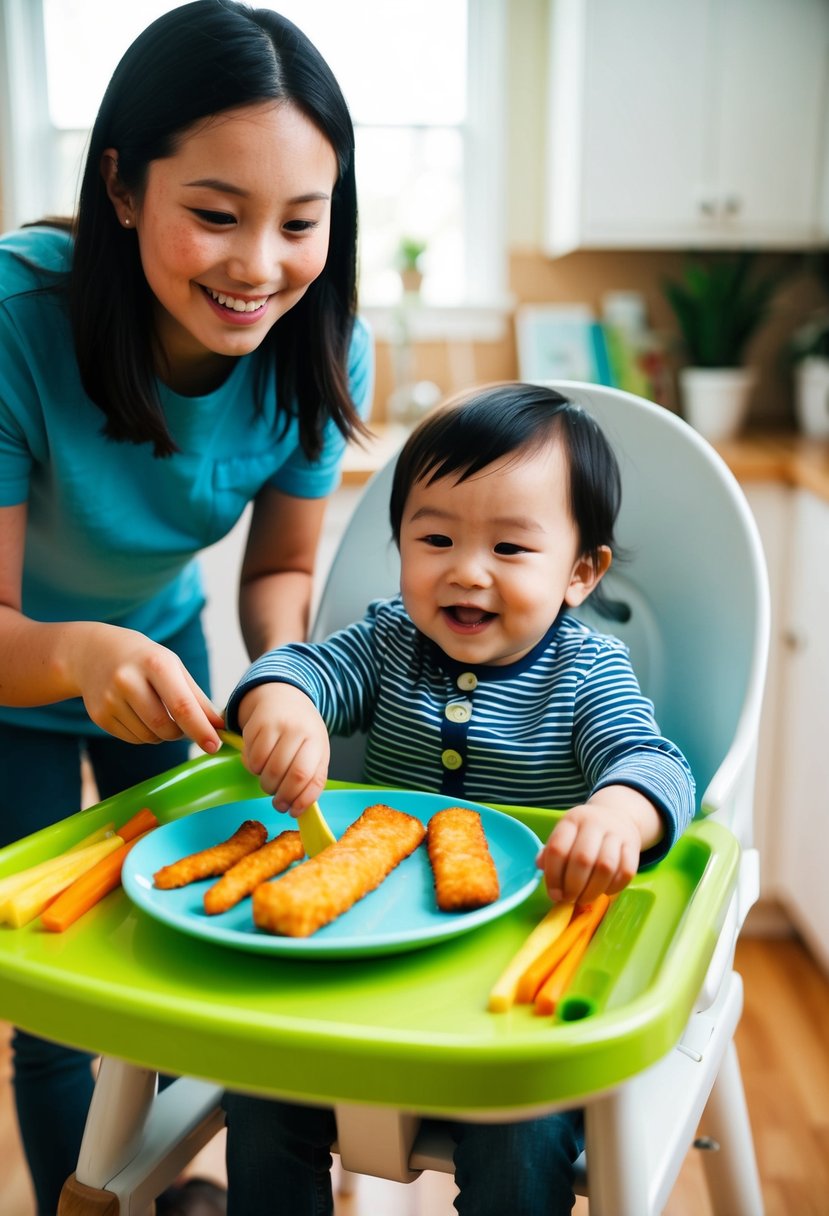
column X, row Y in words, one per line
column 467, row 680
column 451, row 759
column 459, row 711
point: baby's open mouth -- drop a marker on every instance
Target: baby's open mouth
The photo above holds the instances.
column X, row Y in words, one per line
column 466, row 615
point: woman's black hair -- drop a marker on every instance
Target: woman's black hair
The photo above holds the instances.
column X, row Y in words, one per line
column 197, row 61
column 486, row 425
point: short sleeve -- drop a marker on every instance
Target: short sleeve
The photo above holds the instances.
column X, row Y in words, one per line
column 17, row 395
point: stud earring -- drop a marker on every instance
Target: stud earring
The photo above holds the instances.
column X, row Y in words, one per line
column 127, row 221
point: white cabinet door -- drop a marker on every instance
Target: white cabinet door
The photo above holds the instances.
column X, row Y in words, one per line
column 771, row 505
column 802, row 809
column 677, row 124
column 770, row 121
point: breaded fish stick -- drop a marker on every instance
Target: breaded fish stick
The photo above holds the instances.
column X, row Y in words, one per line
column 209, row 862
column 255, row 868
column 321, row 889
column 462, row 866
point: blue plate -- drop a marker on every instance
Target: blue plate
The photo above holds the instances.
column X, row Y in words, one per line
column 399, row 915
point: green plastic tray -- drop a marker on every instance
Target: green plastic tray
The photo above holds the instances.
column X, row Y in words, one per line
column 409, row 1031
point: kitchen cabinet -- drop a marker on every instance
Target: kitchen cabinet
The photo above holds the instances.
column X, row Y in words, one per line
column 679, row 125
column 802, row 792
column 771, row 505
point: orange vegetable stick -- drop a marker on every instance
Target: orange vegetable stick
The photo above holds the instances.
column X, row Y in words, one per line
column 541, row 967
column 89, row 889
column 141, row 822
column 552, row 990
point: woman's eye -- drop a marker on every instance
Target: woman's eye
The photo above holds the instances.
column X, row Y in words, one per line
column 300, row 225
column 505, row 548
column 214, row 217
column 436, row 541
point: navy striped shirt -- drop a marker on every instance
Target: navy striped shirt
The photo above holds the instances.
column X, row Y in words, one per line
column 548, row 730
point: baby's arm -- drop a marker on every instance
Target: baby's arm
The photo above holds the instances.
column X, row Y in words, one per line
column 286, row 744
column 595, row 847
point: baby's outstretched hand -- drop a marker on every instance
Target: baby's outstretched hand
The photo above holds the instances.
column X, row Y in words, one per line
column 286, row 745
column 595, row 847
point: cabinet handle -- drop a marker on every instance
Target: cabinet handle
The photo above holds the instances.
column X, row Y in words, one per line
column 795, row 640
column 732, row 204
column 707, row 206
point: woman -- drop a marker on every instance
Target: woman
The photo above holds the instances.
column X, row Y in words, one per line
column 190, row 346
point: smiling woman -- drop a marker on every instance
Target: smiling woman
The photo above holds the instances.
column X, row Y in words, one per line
column 186, row 346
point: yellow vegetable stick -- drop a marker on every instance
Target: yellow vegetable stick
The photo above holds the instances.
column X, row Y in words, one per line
column 502, row 995
column 26, row 903
column 23, row 878
column 100, row 833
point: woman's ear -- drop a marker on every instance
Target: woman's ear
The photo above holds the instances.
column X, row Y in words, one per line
column 120, row 197
column 586, row 575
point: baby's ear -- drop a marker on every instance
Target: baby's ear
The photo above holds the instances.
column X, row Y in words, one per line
column 586, row 575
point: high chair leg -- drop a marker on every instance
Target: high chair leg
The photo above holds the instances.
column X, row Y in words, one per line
column 136, row 1141
column 617, row 1177
column 731, row 1173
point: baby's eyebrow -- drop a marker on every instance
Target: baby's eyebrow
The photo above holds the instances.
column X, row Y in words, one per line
column 521, row 523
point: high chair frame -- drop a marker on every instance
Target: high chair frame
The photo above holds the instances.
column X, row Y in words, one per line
column 694, row 574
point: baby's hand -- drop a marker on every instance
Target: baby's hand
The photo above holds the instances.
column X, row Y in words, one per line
column 286, row 745
column 595, row 848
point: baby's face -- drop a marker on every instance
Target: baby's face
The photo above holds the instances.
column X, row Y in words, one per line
column 486, row 564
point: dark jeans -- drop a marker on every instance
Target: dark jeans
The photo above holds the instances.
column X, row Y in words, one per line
column 279, row 1162
column 41, row 783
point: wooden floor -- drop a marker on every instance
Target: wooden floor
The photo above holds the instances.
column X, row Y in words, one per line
column 783, row 1044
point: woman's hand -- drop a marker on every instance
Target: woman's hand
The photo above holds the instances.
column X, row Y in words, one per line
column 286, row 745
column 595, row 848
column 138, row 690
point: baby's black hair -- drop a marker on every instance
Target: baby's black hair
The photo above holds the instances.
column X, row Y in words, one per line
column 482, row 427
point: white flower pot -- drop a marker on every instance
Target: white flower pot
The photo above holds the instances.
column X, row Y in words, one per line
column 715, row 399
column 811, row 396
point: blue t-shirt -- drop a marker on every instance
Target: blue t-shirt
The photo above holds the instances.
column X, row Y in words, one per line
column 113, row 531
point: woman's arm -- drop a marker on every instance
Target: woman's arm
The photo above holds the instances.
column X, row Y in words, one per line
column 133, row 688
column 278, row 569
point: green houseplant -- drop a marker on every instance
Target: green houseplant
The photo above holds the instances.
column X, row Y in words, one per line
column 719, row 303
column 410, row 252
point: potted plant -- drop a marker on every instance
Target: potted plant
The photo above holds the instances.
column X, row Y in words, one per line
column 719, row 303
column 409, row 254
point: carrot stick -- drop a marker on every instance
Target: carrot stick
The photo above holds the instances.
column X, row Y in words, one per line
column 87, row 890
column 541, row 967
column 141, row 822
column 554, row 986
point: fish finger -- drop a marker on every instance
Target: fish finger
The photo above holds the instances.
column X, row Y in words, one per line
column 322, row 888
column 462, row 866
column 253, row 869
column 208, row 863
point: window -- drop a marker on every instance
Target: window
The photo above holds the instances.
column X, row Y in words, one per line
column 425, row 91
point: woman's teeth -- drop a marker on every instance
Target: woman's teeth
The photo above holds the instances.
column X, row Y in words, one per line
column 234, row 303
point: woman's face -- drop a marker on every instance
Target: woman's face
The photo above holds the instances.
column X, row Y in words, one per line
column 232, row 230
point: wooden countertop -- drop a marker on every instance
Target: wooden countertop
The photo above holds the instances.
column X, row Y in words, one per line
column 782, row 456
column 779, row 456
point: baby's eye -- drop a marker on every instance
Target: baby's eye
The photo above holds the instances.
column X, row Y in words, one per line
column 437, row 541
column 506, row 548
column 214, row 217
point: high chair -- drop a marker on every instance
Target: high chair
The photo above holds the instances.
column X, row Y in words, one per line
column 650, row 1071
